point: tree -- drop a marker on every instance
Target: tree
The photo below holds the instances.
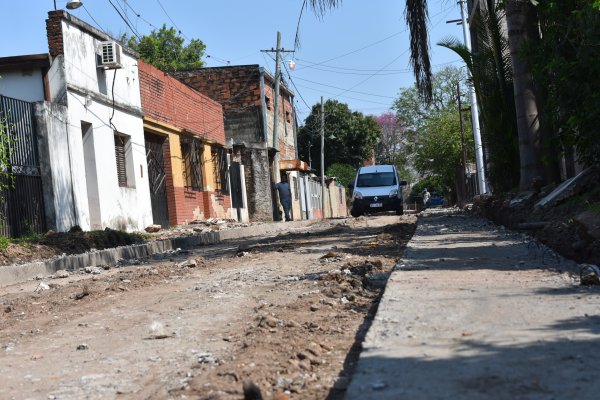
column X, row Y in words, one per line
column 434, row 136
column 350, row 137
column 165, row 50
column 565, row 63
column 522, row 28
column 491, row 69
column 344, row 173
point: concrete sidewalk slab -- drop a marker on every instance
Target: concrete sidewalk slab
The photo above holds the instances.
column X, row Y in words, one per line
column 476, row 312
column 11, row 274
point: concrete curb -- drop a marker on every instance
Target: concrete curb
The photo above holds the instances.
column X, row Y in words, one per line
column 11, row 274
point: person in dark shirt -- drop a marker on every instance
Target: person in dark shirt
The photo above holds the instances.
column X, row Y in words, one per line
column 285, row 196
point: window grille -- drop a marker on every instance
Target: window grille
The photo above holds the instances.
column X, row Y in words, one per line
column 191, row 153
column 120, row 143
column 220, row 169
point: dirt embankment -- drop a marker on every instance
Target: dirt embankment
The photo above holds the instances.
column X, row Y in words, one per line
column 570, row 226
column 287, row 313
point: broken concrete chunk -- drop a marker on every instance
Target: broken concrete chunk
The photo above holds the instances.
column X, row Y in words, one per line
column 61, row 273
column 153, row 228
column 41, row 287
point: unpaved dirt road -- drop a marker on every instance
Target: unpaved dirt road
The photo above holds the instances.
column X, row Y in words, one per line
column 286, row 312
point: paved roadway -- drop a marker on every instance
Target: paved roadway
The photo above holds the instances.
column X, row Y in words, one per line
column 475, row 312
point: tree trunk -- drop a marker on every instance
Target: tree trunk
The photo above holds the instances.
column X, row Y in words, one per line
column 522, row 26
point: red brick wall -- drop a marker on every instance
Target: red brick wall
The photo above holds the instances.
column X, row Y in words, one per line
column 166, row 99
column 184, row 204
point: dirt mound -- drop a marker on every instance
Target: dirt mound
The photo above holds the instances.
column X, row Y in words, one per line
column 570, row 226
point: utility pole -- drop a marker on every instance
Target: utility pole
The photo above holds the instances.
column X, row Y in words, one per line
column 463, row 181
column 323, row 156
column 474, row 108
column 276, row 94
column 277, row 52
column 462, row 131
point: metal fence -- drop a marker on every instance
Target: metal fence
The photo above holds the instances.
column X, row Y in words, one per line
column 21, row 200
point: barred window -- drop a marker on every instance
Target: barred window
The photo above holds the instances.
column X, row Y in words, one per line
column 220, row 169
column 191, row 154
column 120, row 144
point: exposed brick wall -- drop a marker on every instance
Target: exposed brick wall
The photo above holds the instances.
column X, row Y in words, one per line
column 234, row 87
column 54, row 33
column 166, row 99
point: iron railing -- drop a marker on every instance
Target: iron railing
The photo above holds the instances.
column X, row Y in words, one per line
column 21, row 196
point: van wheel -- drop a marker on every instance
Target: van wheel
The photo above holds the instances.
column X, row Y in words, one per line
column 400, row 211
column 355, row 213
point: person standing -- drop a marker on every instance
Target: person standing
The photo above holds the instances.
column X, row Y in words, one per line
column 285, row 196
column 426, row 198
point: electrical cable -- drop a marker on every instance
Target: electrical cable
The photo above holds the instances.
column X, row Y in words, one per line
column 96, row 22
column 124, row 20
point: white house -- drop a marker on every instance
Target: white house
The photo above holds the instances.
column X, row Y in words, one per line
column 97, row 81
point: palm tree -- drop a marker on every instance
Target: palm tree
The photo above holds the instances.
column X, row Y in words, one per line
column 491, row 68
column 522, row 26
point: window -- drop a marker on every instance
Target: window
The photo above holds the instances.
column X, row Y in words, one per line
column 121, row 143
column 191, row 154
column 375, row 179
column 268, row 102
column 288, row 116
column 220, row 169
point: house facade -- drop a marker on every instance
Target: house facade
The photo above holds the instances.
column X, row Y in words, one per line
column 97, row 82
column 185, row 144
column 246, row 93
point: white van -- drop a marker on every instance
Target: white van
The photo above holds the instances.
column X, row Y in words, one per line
column 377, row 188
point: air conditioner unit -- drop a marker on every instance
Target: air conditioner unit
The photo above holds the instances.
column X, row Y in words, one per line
column 110, row 55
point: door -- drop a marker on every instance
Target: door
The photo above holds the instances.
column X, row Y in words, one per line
column 235, row 179
column 157, row 178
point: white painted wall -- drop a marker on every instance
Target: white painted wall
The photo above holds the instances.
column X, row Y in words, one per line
column 27, row 85
column 90, row 99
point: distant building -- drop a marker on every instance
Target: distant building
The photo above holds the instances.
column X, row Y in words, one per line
column 246, row 93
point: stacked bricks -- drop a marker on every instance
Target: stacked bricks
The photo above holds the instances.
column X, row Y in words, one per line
column 54, row 33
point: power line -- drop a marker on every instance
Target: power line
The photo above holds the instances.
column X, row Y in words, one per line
column 96, row 22
column 345, row 90
column 170, row 19
column 124, row 20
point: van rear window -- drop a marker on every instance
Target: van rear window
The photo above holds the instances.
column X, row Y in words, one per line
column 376, row 179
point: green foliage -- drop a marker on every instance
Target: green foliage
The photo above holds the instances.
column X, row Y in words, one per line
column 491, row 69
column 6, row 145
column 565, row 64
column 433, row 130
column 4, row 242
column 344, row 173
column 432, row 183
column 165, row 50
column 350, row 137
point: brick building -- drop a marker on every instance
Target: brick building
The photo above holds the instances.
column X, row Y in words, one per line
column 246, row 93
column 185, row 144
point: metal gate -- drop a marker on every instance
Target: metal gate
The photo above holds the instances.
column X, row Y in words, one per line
column 157, row 178
column 235, row 179
column 22, row 199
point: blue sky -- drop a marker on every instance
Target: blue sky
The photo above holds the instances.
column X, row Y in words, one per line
column 357, row 54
